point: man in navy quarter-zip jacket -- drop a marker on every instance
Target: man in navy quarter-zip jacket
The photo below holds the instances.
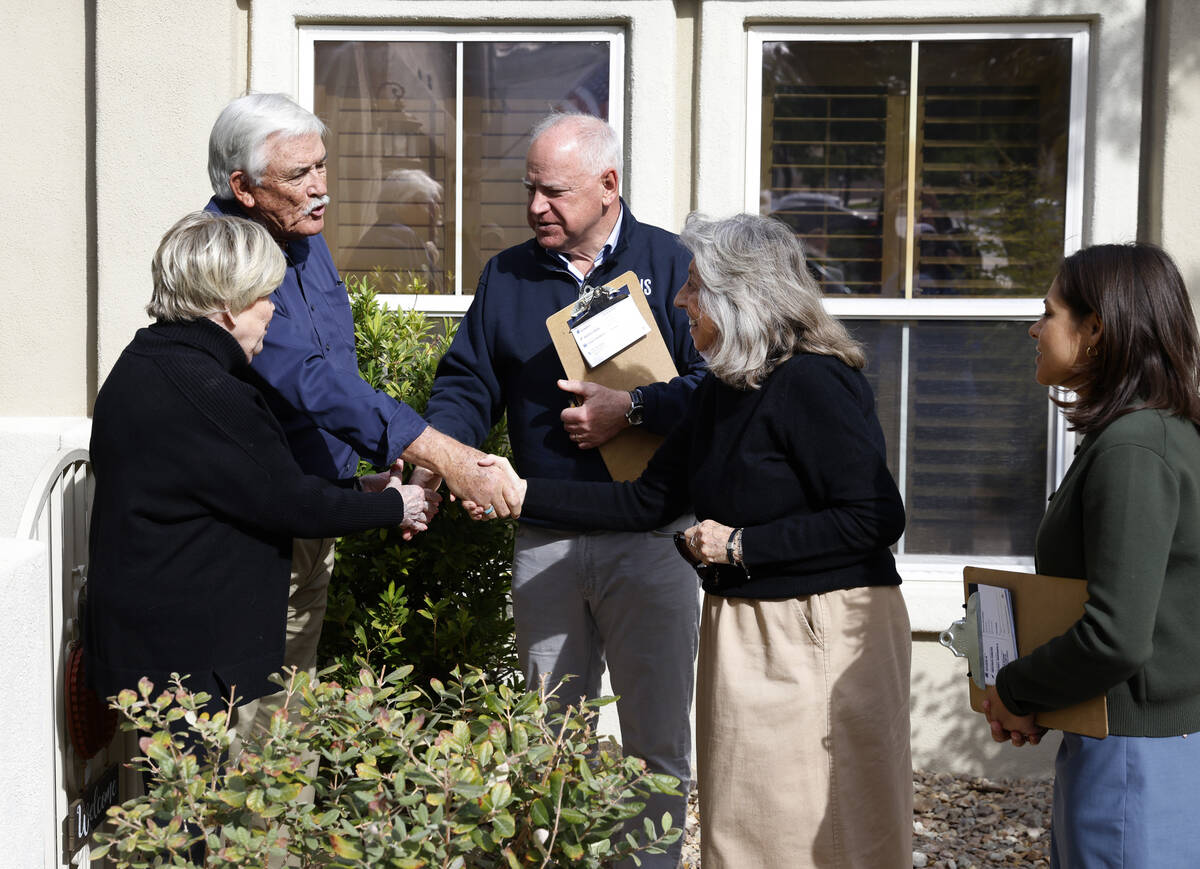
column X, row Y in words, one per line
column 581, row 601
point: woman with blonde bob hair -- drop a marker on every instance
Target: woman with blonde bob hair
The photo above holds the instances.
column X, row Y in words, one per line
column 802, row 707
column 205, row 266
column 197, row 495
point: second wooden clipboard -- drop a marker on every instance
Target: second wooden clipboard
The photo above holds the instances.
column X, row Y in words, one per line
column 647, row 360
column 1044, row 607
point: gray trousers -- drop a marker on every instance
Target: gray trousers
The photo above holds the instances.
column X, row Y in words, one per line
column 625, row 599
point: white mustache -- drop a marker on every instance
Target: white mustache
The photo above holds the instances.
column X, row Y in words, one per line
column 315, row 203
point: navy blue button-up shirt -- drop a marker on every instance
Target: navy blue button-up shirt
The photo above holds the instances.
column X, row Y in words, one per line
column 308, row 370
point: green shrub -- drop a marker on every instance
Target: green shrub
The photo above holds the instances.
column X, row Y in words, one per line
column 440, row 600
column 471, row 774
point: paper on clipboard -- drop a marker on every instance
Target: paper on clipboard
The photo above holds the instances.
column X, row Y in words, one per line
column 997, row 629
column 646, row 360
column 1044, row 607
column 606, row 332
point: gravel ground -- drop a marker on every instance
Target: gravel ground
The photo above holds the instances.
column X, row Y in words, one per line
column 958, row 823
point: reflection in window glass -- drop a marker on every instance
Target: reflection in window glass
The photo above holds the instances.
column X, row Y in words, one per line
column 833, row 156
column 965, row 424
column 508, row 88
column 993, row 165
column 392, row 110
column 986, row 160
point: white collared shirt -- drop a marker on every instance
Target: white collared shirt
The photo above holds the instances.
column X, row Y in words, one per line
column 610, row 245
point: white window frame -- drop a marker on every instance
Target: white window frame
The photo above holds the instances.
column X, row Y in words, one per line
column 456, row 303
column 933, row 582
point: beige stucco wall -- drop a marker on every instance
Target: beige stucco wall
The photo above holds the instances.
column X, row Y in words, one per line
column 43, row 274
column 163, row 73
column 1180, row 212
column 948, row 737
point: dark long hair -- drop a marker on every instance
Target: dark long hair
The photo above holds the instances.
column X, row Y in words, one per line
column 1147, row 355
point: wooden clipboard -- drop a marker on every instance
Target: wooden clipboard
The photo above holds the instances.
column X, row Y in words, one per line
column 646, row 360
column 1044, row 607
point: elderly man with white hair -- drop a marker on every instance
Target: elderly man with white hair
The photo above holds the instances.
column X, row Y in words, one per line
column 267, row 163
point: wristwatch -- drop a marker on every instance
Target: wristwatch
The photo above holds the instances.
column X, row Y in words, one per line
column 634, row 415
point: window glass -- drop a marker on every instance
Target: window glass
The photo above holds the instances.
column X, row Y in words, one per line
column 509, row 87
column 397, row 133
column 834, row 116
column 985, row 159
column 966, row 426
column 992, row 168
column 928, row 180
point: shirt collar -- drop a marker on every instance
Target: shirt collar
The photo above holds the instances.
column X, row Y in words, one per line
column 610, row 245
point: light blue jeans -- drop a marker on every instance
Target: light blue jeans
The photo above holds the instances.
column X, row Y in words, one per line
column 1126, row 802
column 628, row 600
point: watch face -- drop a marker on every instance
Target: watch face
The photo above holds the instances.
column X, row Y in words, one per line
column 634, row 414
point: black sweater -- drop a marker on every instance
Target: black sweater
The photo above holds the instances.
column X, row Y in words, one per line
column 197, row 500
column 799, row 463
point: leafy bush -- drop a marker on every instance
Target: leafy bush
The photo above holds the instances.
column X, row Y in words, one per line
column 442, row 599
column 469, row 775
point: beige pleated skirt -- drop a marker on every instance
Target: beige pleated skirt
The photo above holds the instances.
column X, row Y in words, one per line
column 803, row 731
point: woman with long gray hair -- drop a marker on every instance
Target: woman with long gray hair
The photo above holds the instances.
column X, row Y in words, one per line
column 802, row 707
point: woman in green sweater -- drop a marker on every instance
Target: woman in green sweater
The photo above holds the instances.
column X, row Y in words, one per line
column 1118, row 331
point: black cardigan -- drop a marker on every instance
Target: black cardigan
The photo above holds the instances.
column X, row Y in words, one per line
column 197, row 500
column 799, row 463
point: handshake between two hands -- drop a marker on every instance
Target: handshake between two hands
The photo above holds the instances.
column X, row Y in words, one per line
column 505, row 495
column 487, row 485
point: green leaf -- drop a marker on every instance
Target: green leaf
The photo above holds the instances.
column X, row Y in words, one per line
column 233, row 798
column 343, row 847
column 484, row 752
column 661, row 783
column 556, row 782
column 367, row 771
column 290, row 793
column 469, row 791
column 520, row 739
column 572, row 816
column 572, row 850
column 158, row 747
column 504, row 825
column 255, row 801
column 501, row 794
